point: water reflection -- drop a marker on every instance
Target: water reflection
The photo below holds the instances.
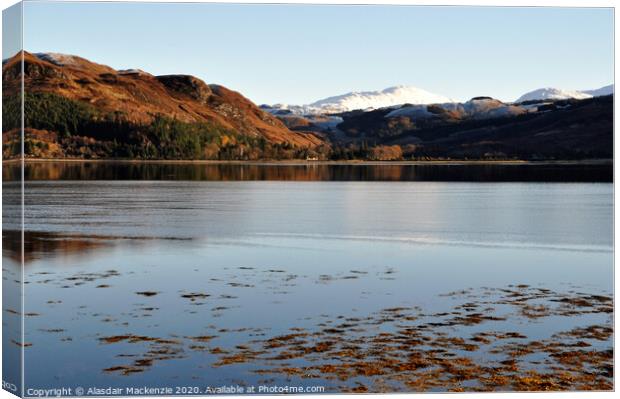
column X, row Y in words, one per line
column 310, row 172
column 40, row 245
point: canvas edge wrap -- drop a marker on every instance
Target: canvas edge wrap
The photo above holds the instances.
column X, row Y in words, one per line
column 12, row 214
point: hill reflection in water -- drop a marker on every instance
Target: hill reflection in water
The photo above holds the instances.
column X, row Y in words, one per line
column 310, row 172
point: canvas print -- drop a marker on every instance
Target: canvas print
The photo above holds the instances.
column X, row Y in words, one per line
column 204, row 198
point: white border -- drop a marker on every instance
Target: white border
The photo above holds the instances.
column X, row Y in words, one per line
column 513, row 3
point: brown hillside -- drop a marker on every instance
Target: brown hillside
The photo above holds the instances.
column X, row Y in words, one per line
column 139, row 96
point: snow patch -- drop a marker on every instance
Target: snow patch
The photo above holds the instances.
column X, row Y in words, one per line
column 58, row 58
column 132, row 72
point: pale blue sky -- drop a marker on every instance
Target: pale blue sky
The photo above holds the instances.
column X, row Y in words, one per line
column 301, row 53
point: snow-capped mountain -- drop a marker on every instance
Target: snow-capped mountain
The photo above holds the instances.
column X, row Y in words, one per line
column 552, row 93
column 378, row 99
column 365, row 100
column 603, row 91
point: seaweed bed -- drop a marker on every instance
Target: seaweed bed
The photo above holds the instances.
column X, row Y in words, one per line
column 473, row 346
column 473, row 340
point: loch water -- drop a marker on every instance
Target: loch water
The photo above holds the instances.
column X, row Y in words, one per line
column 179, row 274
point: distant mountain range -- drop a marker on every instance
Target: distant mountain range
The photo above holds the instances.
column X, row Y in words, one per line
column 400, row 95
column 486, row 128
column 75, row 108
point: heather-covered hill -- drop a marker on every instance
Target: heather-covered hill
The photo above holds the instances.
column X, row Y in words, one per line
column 102, row 112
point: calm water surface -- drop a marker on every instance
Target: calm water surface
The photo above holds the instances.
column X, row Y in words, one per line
column 242, row 260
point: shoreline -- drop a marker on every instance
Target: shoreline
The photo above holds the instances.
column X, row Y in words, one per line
column 588, row 162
